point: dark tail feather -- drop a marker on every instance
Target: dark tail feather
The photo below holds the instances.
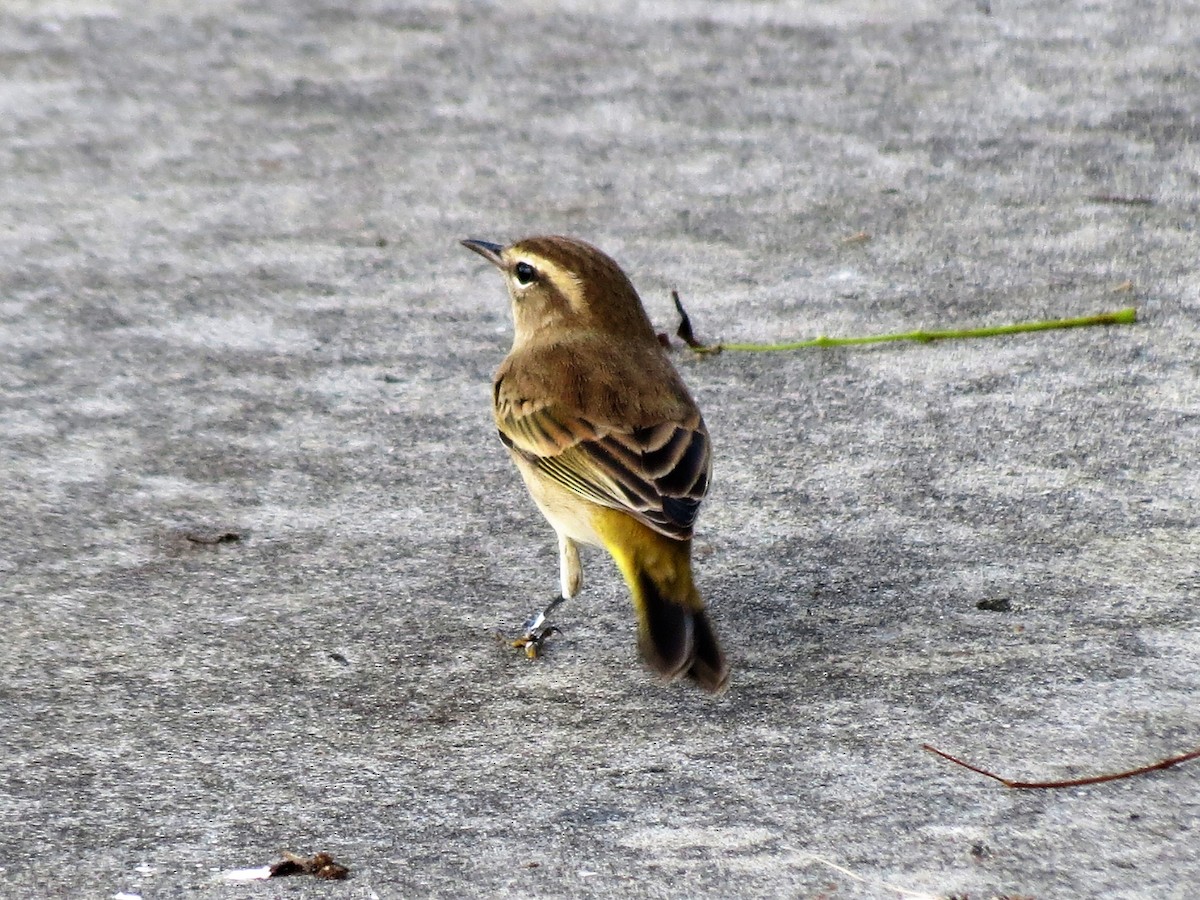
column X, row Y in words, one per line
column 708, row 669
column 677, row 640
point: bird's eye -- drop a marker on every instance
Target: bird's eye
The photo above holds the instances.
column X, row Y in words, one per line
column 526, row 274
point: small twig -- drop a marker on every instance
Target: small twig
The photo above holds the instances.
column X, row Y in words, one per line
column 1071, row 782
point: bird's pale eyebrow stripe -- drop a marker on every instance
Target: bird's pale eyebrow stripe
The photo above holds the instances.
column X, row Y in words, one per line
column 567, row 281
column 538, row 262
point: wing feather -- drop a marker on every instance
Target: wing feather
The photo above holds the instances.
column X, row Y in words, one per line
column 658, row 474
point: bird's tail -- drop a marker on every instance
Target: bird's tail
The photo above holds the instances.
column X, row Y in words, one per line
column 678, row 638
column 674, row 632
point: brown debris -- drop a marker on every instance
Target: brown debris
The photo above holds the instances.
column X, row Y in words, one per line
column 684, row 331
column 320, row 865
column 212, row 537
column 1120, row 200
column 995, row 604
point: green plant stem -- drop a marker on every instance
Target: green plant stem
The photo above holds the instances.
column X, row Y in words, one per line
column 1121, row 317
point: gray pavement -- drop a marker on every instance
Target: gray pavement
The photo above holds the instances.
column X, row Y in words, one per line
column 232, row 300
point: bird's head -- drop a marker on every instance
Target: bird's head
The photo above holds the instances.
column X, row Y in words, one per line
column 560, row 281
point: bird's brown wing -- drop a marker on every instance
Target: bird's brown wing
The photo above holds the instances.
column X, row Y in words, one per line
column 658, row 474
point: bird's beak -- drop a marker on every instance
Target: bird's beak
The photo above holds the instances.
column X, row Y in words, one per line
column 486, row 249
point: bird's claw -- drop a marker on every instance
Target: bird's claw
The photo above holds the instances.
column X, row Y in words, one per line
column 537, row 631
column 534, row 639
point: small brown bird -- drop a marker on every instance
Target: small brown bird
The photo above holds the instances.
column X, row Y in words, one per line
column 608, row 440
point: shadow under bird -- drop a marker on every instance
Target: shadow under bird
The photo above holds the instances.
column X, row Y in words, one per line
column 610, row 443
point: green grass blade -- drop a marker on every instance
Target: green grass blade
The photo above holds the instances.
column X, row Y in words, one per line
column 1125, row 316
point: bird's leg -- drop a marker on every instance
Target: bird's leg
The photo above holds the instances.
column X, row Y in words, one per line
column 570, row 576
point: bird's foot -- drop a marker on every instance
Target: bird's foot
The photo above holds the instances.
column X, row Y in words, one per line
column 537, row 631
column 533, row 642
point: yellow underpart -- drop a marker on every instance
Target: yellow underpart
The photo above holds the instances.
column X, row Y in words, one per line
column 641, row 551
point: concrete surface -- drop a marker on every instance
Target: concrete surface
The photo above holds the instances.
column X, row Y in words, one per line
column 232, row 300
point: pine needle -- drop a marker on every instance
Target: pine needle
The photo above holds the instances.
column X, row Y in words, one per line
column 1070, row 782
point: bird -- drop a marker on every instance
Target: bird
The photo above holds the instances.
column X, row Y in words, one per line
column 610, row 443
